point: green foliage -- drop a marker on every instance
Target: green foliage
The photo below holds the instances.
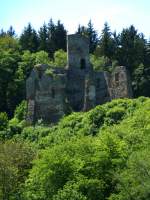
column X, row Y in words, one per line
column 7, row 42
column 20, row 112
column 33, row 134
column 49, row 37
column 3, row 121
column 101, row 63
column 15, row 162
column 107, row 46
column 60, row 59
column 41, row 57
column 94, row 155
column 9, row 83
column 69, row 193
column 134, row 180
column 90, row 33
column 82, row 161
column 29, row 39
column 115, row 115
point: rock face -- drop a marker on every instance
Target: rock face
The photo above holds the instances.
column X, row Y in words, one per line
column 78, row 87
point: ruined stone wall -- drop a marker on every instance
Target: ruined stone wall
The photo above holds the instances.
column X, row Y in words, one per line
column 77, row 87
column 89, row 92
column 102, row 94
column 47, row 96
column 119, row 83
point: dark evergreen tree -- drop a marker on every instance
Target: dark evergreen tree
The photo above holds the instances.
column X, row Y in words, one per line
column 93, row 37
column 82, row 30
column 106, row 44
column 51, row 38
column 60, row 36
column 56, row 37
column 43, row 38
column 90, row 33
column 79, row 29
column 2, row 33
column 132, row 47
column 116, row 44
column 29, row 39
column 147, row 53
column 11, row 31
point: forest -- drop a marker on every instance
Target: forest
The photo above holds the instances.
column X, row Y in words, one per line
column 102, row 154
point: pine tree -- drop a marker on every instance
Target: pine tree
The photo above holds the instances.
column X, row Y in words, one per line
column 90, row 33
column 93, row 37
column 56, row 37
column 2, row 33
column 11, row 31
column 82, row 30
column 29, row 39
column 51, row 36
column 43, row 38
column 60, row 36
column 106, row 42
column 132, row 47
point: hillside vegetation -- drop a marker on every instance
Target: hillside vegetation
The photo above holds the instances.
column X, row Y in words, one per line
column 98, row 155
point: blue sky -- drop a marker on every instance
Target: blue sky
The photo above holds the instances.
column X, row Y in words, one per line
column 118, row 13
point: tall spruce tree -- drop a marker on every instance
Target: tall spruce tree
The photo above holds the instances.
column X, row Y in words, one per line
column 90, row 33
column 56, row 37
column 132, row 47
column 106, row 44
column 60, row 36
column 51, row 38
column 43, row 38
column 11, row 31
column 2, row 33
column 29, row 39
column 93, row 37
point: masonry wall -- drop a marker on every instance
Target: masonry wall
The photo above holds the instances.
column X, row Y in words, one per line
column 46, row 100
column 77, row 88
column 119, row 83
column 78, row 52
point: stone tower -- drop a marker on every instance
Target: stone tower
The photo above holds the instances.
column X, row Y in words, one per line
column 78, row 52
column 78, row 68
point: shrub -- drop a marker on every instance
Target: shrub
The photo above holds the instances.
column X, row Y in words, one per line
column 114, row 115
column 20, row 112
column 3, row 121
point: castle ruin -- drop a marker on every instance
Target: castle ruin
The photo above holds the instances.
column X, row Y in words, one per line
column 77, row 87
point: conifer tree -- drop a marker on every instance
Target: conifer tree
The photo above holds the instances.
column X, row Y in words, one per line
column 93, row 37
column 56, row 37
column 90, row 33
column 51, row 36
column 29, row 39
column 11, row 31
column 132, row 47
column 60, row 36
column 43, row 38
column 106, row 42
column 2, row 33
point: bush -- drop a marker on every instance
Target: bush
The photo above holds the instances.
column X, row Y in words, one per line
column 115, row 115
column 21, row 110
column 3, row 121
